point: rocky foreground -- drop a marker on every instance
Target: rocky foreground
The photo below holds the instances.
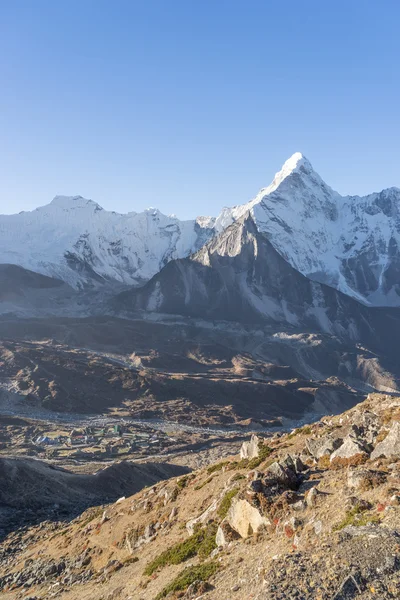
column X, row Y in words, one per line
column 314, row 514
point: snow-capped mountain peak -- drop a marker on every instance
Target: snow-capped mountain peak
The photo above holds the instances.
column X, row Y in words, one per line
column 295, row 164
column 74, row 202
column 351, row 243
column 296, row 175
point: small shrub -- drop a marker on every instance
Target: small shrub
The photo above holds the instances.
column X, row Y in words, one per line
column 306, row 430
column 263, row 503
column 260, row 534
column 189, row 576
column 183, row 481
column 201, row 544
column 234, row 464
column 279, row 506
column 252, row 463
column 391, row 414
column 175, row 493
column 358, row 518
column 130, row 560
column 217, row 467
column 201, row 485
column 372, row 480
column 289, row 531
column 226, row 503
column 237, row 477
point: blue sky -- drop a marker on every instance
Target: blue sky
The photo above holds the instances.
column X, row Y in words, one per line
column 188, row 105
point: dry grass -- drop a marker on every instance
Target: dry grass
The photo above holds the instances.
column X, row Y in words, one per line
column 381, row 436
column 391, row 414
column 354, row 461
column 372, row 481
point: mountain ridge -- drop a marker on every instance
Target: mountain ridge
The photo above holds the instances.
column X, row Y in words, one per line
column 351, row 243
column 239, row 276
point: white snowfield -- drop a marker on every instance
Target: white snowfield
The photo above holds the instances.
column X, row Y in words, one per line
column 74, row 239
column 349, row 242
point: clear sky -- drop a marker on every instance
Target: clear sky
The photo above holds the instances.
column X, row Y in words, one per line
column 191, row 105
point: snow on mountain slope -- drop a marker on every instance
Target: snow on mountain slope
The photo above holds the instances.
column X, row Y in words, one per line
column 351, row 243
column 77, row 241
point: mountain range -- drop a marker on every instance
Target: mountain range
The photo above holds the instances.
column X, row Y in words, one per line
column 349, row 243
column 285, row 305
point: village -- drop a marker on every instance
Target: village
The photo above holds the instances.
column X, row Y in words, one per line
column 86, row 443
column 93, row 442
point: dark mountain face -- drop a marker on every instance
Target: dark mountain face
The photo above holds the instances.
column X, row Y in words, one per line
column 239, row 276
column 23, row 291
column 16, row 280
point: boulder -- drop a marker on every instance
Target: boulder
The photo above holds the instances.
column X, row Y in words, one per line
column 250, row 449
column 351, row 447
column 245, row 518
column 318, row 527
column 255, row 486
column 362, row 479
column 390, row 446
column 367, row 424
column 319, row 447
column 225, row 534
column 104, row 518
column 294, row 462
column 200, row 520
column 299, row 506
column 395, row 500
column 294, row 523
column 173, row 513
column 280, row 474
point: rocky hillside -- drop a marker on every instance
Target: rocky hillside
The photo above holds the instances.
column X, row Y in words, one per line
column 183, row 371
column 311, row 514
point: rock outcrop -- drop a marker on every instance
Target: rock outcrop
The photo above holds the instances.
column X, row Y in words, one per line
column 390, row 446
column 250, row 449
column 245, row 518
column 351, row 447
